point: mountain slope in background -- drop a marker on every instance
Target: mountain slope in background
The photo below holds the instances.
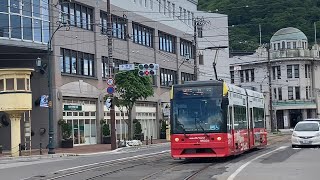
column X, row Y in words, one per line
column 246, row 15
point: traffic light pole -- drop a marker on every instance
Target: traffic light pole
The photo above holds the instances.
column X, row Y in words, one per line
column 112, row 111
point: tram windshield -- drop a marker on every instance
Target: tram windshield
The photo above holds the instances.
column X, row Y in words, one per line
column 197, row 110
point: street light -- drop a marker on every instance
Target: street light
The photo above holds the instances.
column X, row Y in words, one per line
column 61, row 24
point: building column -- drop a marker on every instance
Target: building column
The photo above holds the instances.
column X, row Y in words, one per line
column 304, row 114
column 15, row 118
column 286, row 118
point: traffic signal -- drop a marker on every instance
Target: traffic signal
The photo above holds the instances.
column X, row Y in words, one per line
column 148, row 69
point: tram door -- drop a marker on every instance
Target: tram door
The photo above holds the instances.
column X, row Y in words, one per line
column 251, row 130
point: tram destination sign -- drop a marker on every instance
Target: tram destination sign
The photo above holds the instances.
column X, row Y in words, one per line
column 72, row 107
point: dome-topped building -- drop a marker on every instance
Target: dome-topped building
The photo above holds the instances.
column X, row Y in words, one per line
column 289, row 38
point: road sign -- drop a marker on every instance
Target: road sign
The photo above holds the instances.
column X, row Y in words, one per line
column 110, row 90
column 126, row 67
column 110, row 82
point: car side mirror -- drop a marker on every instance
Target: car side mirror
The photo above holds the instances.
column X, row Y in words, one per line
column 291, row 130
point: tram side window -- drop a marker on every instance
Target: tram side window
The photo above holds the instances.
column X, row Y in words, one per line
column 230, row 119
column 240, row 120
column 258, row 116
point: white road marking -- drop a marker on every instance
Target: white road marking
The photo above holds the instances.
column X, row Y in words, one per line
column 116, row 160
column 233, row 175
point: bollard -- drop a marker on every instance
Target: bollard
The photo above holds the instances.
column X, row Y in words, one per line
column 19, row 149
column 146, row 140
column 40, row 148
column 151, row 140
column 125, row 143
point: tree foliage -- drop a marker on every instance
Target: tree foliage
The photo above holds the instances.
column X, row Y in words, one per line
column 131, row 88
column 246, row 15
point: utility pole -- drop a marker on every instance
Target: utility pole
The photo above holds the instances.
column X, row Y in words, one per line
column 112, row 111
column 270, row 91
column 195, row 23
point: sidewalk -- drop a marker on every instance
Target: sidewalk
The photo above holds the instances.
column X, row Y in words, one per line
column 76, row 150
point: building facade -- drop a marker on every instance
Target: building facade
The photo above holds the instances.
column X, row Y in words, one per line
column 294, row 69
column 143, row 32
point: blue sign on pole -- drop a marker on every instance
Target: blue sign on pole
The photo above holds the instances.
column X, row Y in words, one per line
column 110, row 90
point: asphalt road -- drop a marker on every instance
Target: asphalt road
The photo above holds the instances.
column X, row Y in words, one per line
column 277, row 161
column 285, row 163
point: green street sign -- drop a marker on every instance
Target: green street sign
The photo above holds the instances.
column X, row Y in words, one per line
column 72, row 107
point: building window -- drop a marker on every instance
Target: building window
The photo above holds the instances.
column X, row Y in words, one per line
column 276, row 72
column 200, row 35
column 241, row 76
column 164, row 7
column 294, row 45
column 289, row 71
column 186, row 48
column 142, row 35
column 308, row 92
column 275, row 93
column 169, row 8
column 283, row 45
column 297, row 90
column 290, row 93
column 307, row 71
column 167, row 42
column 26, row 20
column 151, row 4
column 252, row 75
column 118, row 25
column 167, row 77
column 187, row 77
column 247, row 75
column 173, row 10
column 201, row 62
column 288, row 45
column 232, row 77
column 278, row 46
column 74, row 62
column 77, row 15
column 280, row 93
column 296, row 71
column 274, row 46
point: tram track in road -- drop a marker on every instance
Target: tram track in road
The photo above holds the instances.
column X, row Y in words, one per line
column 69, row 172
column 195, row 173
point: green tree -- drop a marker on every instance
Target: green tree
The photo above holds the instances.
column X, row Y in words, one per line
column 131, row 88
column 272, row 15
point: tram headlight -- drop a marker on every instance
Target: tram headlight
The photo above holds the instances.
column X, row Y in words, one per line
column 176, row 139
column 219, row 138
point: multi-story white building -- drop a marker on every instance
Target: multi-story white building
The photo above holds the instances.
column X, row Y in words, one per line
column 294, row 73
column 144, row 31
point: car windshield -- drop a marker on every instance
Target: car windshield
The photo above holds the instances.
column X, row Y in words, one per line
column 307, row 127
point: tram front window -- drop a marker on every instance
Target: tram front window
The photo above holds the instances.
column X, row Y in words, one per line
column 197, row 114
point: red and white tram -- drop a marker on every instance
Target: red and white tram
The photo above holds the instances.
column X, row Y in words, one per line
column 215, row 119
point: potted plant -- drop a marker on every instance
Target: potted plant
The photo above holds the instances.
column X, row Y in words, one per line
column 163, row 130
column 138, row 130
column 66, row 130
column 106, row 138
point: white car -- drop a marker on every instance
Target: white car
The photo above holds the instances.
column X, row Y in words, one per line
column 312, row 119
column 306, row 133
